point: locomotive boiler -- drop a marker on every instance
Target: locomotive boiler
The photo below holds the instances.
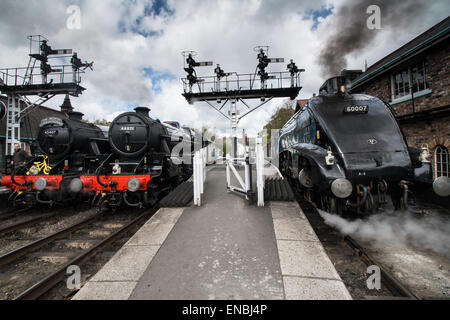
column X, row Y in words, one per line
column 148, row 159
column 347, row 151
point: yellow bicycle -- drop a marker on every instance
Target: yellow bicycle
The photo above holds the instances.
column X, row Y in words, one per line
column 40, row 166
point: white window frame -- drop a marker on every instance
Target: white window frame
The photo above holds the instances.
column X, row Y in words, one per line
column 441, row 153
column 410, row 78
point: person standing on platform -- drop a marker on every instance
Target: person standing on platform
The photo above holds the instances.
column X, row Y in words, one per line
column 19, row 157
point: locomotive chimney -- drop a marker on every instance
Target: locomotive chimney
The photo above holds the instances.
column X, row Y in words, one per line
column 75, row 115
column 143, row 111
column 66, row 107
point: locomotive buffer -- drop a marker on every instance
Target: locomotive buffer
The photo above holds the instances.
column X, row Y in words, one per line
column 40, row 79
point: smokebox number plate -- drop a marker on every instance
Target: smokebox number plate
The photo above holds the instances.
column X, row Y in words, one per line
column 356, row 109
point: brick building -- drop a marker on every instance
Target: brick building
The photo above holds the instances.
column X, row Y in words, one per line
column 415, row 80
column 29, row 127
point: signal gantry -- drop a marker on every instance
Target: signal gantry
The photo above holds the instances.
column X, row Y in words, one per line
column 233, row 87
column 43, row 80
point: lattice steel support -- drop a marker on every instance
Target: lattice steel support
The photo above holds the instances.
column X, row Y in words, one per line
column 12, row 123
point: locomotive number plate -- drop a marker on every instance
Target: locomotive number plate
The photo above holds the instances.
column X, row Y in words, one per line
column 127, row 128
column 50, row 132
column 356, row 109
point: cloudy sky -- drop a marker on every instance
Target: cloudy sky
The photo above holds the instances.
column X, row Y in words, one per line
column 136, row 45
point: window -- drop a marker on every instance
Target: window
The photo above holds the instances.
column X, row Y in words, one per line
column 441, row 167
column 305, row 128
column 414, row 78
column 401, row 83
column 419, row 77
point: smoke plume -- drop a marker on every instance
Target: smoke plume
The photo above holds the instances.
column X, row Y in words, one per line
column 400, row 229
column 351, row 34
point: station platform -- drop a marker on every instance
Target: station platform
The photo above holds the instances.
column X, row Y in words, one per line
column 226, row 249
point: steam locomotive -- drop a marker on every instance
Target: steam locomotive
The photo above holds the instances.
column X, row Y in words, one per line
column 347, row 152
column 69, row 147
column 135, row 162
column 148, row 159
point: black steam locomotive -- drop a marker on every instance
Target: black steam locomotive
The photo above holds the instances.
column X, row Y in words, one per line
column 70, row 148
column 346, row 151
column 148, row 159
column 136, row 162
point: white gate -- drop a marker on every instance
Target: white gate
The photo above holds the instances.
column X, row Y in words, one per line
column 260, row 162
column 199, row 166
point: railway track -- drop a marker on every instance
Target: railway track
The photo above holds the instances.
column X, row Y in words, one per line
column 19, row 252
column 25, row 265
column 393, row 284
column 12, row 212
column 24, row 223
column 351, row 265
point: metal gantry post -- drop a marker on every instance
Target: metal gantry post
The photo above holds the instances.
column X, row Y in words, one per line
column 196, row 182
column 248, row 174
column 233, row 116
column 12, row 123
column 228, row 159
column 260, row 172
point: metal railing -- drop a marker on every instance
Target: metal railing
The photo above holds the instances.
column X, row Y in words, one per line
column 32, row 76
column 236, row 82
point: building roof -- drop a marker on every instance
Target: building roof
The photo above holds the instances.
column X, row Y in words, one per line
column 424, row 41
column 31, row 122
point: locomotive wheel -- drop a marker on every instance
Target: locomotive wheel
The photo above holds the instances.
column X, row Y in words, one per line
column 287, row 164
column 283, row 167
column 331, row 205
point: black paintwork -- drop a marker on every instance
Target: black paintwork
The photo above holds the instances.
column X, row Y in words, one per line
column 72, row 140
column 367, row 146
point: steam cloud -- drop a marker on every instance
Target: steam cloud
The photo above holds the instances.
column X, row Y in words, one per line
column 352, row 35
column 398, row 229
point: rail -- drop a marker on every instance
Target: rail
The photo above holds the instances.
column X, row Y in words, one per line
column 47, row 283
column 19, row 252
